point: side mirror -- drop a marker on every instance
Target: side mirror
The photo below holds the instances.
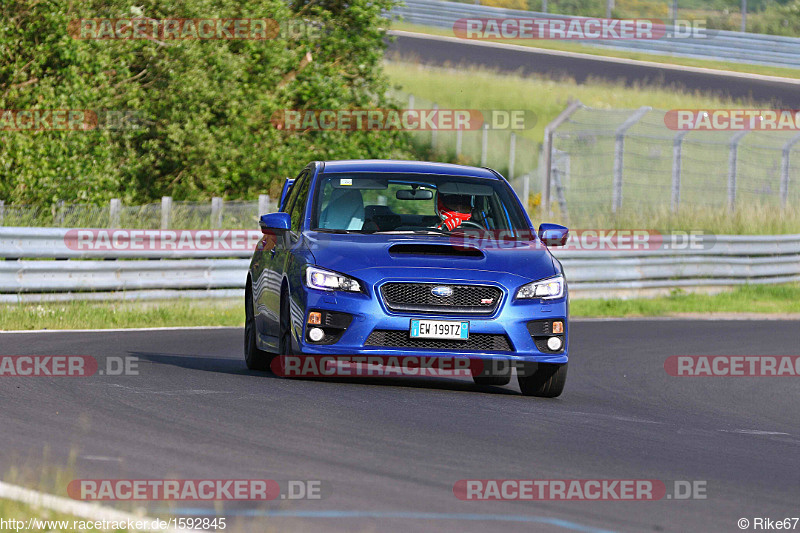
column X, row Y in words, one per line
column 553, row 234
column 274, row 221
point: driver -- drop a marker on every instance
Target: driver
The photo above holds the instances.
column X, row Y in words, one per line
column 453, row 209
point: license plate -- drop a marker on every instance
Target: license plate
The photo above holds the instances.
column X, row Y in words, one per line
column 439, row 329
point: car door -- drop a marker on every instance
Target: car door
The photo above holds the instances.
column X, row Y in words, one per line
column 275, row 261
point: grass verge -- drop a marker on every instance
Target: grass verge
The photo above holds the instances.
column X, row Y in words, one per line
column 109, row 315
column 474, row 88
column 759, row 299
column 751, row 299
column 38, row 519
column 571, row 46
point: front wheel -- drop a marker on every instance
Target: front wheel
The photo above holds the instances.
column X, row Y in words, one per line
column 286, row 346
column 254, row 358
column 545, row 380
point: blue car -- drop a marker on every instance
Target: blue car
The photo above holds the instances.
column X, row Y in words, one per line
column 406, row 258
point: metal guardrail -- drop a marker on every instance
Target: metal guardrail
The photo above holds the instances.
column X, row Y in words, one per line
column 61, row 276
column 65, row 243
column 752, row 48
column 722, row 261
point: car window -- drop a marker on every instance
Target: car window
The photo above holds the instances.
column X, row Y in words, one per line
column 298, row 206
column 287, row 207
column 370, row 202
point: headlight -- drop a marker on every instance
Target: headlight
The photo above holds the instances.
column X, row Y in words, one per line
column 546, row 289
column 325, row 280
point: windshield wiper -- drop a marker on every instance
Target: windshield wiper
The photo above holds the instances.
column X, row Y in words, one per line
column 339, row 231
column 428, row 231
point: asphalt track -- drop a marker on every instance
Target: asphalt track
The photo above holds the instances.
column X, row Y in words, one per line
column 444, row 51
column 390, row 450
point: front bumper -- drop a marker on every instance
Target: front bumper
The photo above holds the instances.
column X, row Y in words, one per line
column 512, row 319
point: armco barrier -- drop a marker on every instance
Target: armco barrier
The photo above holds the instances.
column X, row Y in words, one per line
column 753, row 48
column 64, row 243
column 38, row 265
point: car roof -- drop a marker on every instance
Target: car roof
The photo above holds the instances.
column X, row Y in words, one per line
column 412, row 167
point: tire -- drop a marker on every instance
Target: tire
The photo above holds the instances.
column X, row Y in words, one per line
column 494, row 372
column 254, row 358
column 285, row 343
column 545, row 380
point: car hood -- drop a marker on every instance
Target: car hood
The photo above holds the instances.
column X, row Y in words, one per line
column 376, row 257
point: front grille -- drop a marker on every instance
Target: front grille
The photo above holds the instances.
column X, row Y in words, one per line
column 418, row 298
column 477, row 342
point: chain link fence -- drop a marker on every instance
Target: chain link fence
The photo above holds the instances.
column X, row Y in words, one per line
column 607, row 164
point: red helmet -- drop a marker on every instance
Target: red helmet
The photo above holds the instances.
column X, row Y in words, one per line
column 455, row 203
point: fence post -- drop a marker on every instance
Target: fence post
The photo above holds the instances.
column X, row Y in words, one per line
column 547, row 152
column 113, row 212
column 732, row 162
column 58, row 213
column 512, row 155
column 559, row 184
column 166, row 211
column 526, row 190
column 484, row 144
column 216, row 212
column 787, row 149
column 433, row 130
column 619, row 152
column 2, row 211
column 677, row 148
column 743, row 28
column 263, row 204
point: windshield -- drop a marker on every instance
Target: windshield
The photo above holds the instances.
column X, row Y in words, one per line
column 414, row 203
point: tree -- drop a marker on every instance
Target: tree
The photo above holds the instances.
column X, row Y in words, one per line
column 198, row 111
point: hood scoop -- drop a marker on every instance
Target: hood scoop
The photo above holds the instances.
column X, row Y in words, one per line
column 436, row 250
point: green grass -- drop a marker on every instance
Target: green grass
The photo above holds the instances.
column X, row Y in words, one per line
column 107, row 315
column 776, row 299
column 749, row 219
column 760, row 299
column 11, row 510
column 473, row 88
column 43, row 477
column 570, row 46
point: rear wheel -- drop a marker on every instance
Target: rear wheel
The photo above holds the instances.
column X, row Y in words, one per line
column 545, row 380
column 254, row 358
column 494, row 372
